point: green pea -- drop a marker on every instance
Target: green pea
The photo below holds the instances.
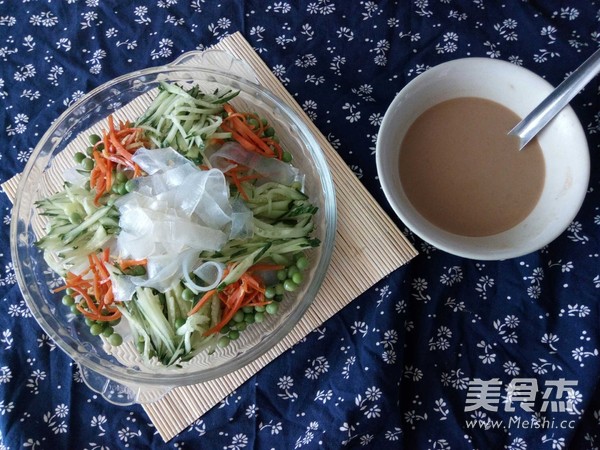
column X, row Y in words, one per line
column 239, row 316
column 121, row 177
column 278, row 298
column 187, row 295
column 270, row 292
column 241, row 326
column 74, row 310
column 68, row 300
column 87, row 164
column 269, row 132
column 114, row 323
column 138, row 271
column 75, row 218
column 223, row 341
column 259, row 308
column 259, row 317
column 249, row 318
column 116, row 339
column 302, row 262
column 89, row 322
column 94, row 139
column 297, row 278
column 233, row 335
column 79, row 157
column 130, row 185
column 139, row 346
column 286, row 156
column 290, row 286
column 248, row 309
column 89, row 150
column 122, row 190
column 291, row 271
column 281, row 274
column 108, row 331
column 272, row 308
column 279, row 289
column 96, row 329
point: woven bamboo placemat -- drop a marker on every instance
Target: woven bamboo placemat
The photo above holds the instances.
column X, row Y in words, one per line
column 368, row 247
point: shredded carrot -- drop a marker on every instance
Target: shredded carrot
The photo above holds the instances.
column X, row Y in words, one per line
column 250, row 137
column 248, row 130
column 114, row 151
column 127, row 263
column 265, row 266
column 248, row 290
column 207, row 296
column 233, row 174
column 94, row 294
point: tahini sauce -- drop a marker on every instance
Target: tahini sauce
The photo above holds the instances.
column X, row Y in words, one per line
column 463, row 173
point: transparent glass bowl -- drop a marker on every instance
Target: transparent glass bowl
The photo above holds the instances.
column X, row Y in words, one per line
column 120, row 376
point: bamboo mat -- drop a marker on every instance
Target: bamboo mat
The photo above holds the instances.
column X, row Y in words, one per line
column 368, row 247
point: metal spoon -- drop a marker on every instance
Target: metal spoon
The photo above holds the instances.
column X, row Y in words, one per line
column 537, row 119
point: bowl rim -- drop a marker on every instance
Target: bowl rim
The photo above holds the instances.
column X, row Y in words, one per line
column 476, row 253
column 267, row 342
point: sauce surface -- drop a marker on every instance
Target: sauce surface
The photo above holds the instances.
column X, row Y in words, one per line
column 463, row 173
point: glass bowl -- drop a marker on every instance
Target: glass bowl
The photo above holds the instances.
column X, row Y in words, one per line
column 118, row 373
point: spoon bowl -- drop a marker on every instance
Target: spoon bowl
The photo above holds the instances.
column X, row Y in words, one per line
column 560, row 97
column 564, row 148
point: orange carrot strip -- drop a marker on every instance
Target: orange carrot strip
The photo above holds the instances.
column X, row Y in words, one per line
column 109, row 298
column 238, row 185
column 119, row 149
column 252, row 282
column 102, row 318
column 202, row 301
column 61, row 288
column 245, row 143
column 228, row 108
column 226, row 317
column 259, row 303
column 126, row 263
column 265, row 266
column 88, row 300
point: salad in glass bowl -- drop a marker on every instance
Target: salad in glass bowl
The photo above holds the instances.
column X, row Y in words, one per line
column 172, row 226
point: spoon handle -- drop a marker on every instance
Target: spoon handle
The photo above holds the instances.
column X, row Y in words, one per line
column 537, row 119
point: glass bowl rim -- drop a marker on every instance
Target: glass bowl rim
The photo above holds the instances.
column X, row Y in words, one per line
column 266, row 342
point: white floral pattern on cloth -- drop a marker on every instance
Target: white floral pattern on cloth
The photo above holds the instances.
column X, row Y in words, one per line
column 445, row 353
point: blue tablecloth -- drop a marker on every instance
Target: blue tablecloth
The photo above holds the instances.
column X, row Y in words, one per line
column 445, row 353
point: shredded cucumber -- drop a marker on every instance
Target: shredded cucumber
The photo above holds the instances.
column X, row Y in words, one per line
column 162, row 329
column 280, row 223
column 75, row 227
column 185, row 119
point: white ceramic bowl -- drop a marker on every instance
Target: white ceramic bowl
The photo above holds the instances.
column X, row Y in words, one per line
column 563, row 143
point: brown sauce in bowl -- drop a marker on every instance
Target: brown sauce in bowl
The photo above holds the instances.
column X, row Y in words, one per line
column 463, row 173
